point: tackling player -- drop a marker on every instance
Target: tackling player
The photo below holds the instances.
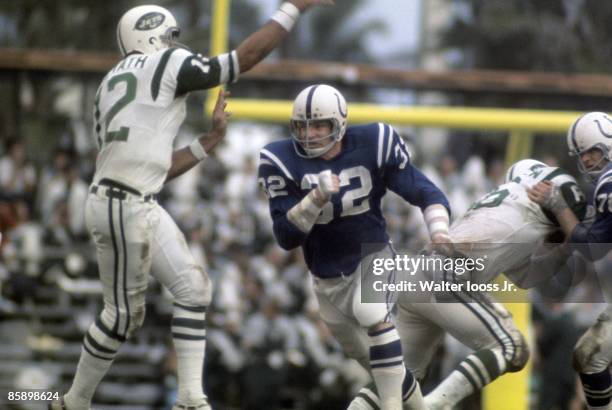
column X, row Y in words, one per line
column 324, row 188
column 139, row 108
column 590, row 139
column 505, row 226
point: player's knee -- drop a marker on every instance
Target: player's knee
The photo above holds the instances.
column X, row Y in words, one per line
column 110, row 318
column 371, row 315
column 123, row 322
column 521, row 353
column 137, row 316
column 578, row 362
column 380, row 326
column 582, row 356
column 195, row 288
column 587, row 356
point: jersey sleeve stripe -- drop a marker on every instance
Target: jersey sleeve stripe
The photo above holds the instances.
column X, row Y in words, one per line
column 159, row 72
column 234, row 67
column 389, row 136
column 264, row 161
column 228, row 63
column 381, row 139
column 278, row 163
column 602, row 181
column 606, row 175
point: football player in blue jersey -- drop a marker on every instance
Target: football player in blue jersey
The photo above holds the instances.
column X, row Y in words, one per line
column 590, row 139
column 325, row 187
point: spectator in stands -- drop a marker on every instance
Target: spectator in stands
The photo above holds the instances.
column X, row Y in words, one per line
column 17, row 174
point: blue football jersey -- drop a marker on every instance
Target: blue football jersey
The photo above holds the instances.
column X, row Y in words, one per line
column 601, row 229
column 373, row 159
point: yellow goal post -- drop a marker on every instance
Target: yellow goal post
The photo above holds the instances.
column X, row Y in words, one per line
column 510, row 392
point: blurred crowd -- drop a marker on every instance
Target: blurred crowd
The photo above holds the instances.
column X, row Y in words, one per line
column 266, row 346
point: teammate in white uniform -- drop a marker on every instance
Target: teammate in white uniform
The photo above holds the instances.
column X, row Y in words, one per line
column 506, row 226
column 139, row 108
column 590, row 139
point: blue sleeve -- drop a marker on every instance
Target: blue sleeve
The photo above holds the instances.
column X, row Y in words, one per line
column 283, row 194
column 406, row 180
column 600, row 232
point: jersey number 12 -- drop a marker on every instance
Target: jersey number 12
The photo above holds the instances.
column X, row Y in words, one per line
column 128, row 96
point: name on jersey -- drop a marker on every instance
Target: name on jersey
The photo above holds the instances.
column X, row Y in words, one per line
column 137, row 61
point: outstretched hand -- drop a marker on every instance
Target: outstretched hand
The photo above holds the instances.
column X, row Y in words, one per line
column 219, row 122
column 219, row 115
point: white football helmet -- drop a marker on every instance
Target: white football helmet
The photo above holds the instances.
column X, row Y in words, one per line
column 146, row 29
column 315, row 103
column 591, row 130
column 522, row 167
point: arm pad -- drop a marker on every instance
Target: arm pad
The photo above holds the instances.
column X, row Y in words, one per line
column 305, row 213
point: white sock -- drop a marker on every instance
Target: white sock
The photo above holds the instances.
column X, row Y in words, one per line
column 473, row 373
column 387, row 367
column 189, row 337
column 100, row 347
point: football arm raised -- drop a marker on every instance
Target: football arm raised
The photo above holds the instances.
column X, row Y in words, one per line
column 186, row 158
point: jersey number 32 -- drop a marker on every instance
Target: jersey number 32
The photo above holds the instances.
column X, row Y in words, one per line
column 353, row 201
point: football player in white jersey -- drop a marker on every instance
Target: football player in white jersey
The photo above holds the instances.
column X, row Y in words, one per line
column 139, row 108
column 506, row 226
column 590, row 139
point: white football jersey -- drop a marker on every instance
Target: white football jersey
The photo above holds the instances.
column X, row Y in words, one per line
column 505, row 225
column 140, row 106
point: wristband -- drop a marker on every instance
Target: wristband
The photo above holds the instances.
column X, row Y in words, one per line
column 197, row 150
column 286, row 15
column 437, row 219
